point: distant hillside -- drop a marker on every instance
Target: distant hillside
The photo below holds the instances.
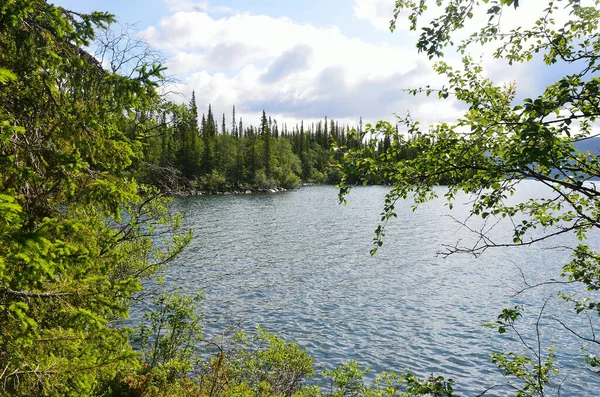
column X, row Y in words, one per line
column 589, row 145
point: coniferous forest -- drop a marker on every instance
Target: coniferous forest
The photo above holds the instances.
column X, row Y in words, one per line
column 194, row 152
column 191, row 152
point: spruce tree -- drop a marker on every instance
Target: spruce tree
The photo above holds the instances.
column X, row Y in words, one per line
column 266, row 135
column 208, row 134
column 234, row 131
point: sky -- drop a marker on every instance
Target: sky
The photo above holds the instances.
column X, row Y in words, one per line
column 297, row 60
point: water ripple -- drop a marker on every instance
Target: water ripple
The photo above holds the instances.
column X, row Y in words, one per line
column 298, row 264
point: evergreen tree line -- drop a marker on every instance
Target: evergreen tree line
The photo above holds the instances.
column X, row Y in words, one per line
column 192, row 153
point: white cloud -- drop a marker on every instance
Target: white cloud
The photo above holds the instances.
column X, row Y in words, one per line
column 293, row 71
column 300, row 71
column 529, row 80
column 295, row 60
column 377, row 12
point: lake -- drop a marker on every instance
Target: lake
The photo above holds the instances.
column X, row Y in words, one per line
column 298, row 264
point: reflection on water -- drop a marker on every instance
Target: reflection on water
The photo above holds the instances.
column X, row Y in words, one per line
column 298, row 263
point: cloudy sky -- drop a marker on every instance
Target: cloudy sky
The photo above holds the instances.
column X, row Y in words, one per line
column 296, row 59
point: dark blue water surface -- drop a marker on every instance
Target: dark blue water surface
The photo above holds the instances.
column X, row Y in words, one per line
column 298, row 264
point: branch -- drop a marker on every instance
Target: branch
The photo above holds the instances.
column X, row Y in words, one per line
column 29, row 294
column 533, row 286
column 478, row 249
column 591, row 340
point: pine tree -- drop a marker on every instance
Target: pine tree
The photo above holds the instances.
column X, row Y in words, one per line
column 208, row 135
column 192, row 129
column 266, row 135
column 333, row 130
column 326, row 132
column 252, row 150
column 234, row 131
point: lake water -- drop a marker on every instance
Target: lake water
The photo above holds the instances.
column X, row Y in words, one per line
column 298, row 264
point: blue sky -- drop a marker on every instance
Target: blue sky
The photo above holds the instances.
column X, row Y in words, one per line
column 320, row 13
column 298, row 60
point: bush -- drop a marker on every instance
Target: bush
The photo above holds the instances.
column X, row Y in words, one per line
column 214, row 182
column 262, row 182
column 271, row 366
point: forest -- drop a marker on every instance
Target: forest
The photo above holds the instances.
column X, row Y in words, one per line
column 193, row 155
column 186, row 153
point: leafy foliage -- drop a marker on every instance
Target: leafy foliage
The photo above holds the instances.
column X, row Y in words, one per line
column 348, row 380
column 499, row 142
column 76, row 230
column 172, row 335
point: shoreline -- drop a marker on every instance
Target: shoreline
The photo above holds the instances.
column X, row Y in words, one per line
column 192, row 192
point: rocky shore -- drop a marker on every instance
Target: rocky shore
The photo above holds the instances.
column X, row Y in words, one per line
column 192, row 192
